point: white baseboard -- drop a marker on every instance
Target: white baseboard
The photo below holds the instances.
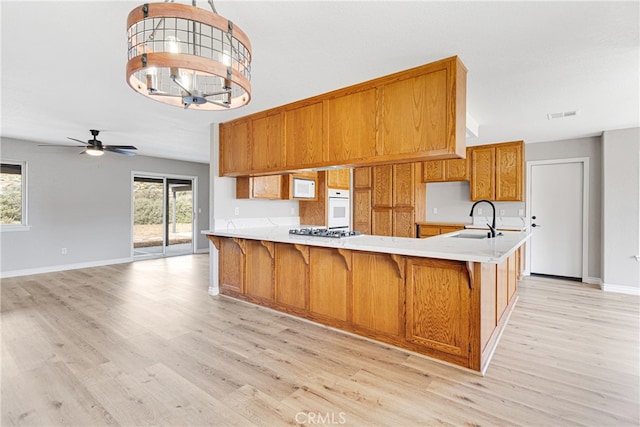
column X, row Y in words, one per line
column 202, row 251
column 55, row 268
column 593, row 281
column 620, row 289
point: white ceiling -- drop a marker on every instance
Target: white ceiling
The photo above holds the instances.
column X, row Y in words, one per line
column 63, row 65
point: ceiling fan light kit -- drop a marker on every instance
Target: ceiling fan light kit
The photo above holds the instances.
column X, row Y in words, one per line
column 94, row 146
column 186, row 56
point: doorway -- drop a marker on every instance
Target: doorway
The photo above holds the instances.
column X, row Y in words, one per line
column 558, row 212
column 163, row 216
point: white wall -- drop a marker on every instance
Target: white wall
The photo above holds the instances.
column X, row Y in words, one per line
column 621, row 210
column 82, row 203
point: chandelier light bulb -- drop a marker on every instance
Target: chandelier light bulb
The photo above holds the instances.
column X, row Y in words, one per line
column 172, row 45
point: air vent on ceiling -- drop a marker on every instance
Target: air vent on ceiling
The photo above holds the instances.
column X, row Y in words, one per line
column 551, row 116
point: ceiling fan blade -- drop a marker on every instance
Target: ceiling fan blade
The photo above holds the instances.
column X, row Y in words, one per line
column 121, row 147
column 115, row 150
column 62, row 145
column 77, row 140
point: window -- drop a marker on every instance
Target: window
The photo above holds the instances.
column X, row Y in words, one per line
column 13, row 196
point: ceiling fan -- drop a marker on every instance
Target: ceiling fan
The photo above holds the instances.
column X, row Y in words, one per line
column 94, row 147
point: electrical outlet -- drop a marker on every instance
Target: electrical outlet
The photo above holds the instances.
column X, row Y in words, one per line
column 293, row 211
column 199, row 210
column 520, row 212
column 479, row 211
column 236, row 211
column 435, row 211
column 501, row 212
column 63, row 251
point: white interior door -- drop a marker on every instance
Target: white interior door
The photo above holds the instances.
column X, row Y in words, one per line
column 556, row 219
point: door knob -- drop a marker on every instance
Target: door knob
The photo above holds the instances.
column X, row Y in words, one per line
column 535, row 225
column 533, row 217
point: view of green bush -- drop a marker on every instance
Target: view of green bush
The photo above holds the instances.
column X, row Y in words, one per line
column 148, row 204
column 10, row 199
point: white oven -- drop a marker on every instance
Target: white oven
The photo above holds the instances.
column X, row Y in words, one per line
column 338, row 209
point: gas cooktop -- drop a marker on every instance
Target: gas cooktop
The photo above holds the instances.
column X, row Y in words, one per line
column 323, row 232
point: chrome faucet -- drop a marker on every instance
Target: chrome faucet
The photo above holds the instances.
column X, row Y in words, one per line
column 491, row 226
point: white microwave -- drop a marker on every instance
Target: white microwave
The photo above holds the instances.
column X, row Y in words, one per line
column 304, row 188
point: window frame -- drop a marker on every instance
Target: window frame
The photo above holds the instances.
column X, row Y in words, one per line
column 24, row 225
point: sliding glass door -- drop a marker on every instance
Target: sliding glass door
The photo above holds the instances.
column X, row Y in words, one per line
column 162, row 216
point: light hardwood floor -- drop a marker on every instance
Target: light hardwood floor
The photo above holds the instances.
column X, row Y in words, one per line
column 143, row 344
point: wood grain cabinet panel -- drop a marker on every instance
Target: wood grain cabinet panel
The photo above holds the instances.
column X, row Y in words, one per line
column 513, row 272
column 438, row 305
column 232, row 266
column 415, row 114
column 378, row 294
column 483, row 172
column 497, row 171
column 234, row 147
column 404, row 222
column 328, row 281
column 502, row 290
column 351, row 126
column 304, row 138
column 266, row 142
column 403, row 185
column 382, row 221
column 259, row 187
column 433, row 171
column 260, row 270
column 383, row 186
column 362, row 210
column 509, row 172
column 362, row 177
column 339, row 179
column 291, row 280
column 426, row 230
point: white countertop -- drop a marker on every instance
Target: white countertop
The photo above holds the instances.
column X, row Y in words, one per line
column 443, row 246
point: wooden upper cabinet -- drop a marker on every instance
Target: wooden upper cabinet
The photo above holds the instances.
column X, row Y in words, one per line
column 234, row 147
column 483, row 172
column 303, row 135
column 351, row 126
column 266, row 142
column 410, row 116
column 446, row 170
column 383, row 186
column 339, row 179
column 259, row 187
column 415, row 114
column 510, row 171
column 497, row 171
column 404, row 185
column 423, row 113
column 433, row 171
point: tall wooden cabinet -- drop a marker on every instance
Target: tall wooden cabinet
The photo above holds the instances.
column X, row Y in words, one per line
column 446, row 170
column 497, row 171
column 389, row 199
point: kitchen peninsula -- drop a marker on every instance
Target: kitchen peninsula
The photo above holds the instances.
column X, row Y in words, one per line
column 447, row 297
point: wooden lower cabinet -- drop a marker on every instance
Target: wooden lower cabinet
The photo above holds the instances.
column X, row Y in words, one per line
column 232, row 266
column 449, row 310
column 260, row 269
column 328, row 283
column 378, row 293
column 291, row 277
column 438, row 306
column 435, row 229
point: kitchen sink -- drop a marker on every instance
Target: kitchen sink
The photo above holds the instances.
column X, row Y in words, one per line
column 470, row 236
